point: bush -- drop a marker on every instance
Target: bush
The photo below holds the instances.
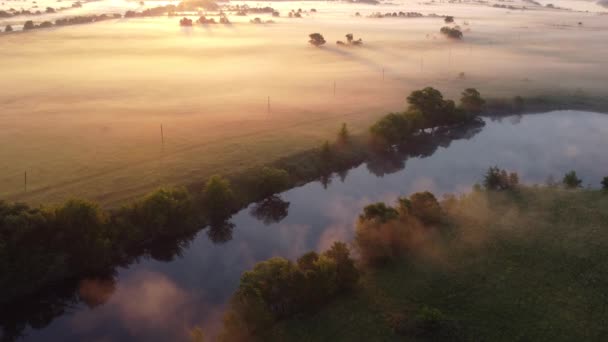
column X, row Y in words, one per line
column 605, row 183
column 8, row 28
column 571, row 180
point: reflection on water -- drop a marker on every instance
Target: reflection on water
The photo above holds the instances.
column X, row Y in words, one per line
column 178, row 285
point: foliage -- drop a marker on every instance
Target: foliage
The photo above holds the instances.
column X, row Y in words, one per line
column 316, row 39
column 497, row 179
column 277, row 289
column 571, row 180
column 452, row 33
column 448, row 19
column 29, row 25
column 218, row 198
column 270, row 181
column 379, row 212
column 343, row 135
column 391, row 129
column 425, row 207
column 471, row 101
column 8, row 28
column 605, row 183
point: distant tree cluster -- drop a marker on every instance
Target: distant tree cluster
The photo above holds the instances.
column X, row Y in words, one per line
column 277, row 288
column 350, row 41
column 451, row 32
column 427, row 110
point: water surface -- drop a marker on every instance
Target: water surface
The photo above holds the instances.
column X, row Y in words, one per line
column 159, row 299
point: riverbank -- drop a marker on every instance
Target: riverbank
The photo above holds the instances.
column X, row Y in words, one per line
column 526, row 264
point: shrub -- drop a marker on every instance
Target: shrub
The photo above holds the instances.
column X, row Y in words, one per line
column 449, row 19
column 8, row 28
column 605, row 183
column 571, row 180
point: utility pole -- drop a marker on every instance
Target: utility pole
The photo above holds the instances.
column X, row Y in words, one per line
column 162, row 135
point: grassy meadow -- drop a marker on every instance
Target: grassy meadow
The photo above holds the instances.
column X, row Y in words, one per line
column 82, row 105
column 523, row 266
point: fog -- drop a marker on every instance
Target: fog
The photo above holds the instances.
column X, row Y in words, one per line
column 82, row 105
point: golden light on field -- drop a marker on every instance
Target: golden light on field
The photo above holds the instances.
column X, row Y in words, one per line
column 82, row 106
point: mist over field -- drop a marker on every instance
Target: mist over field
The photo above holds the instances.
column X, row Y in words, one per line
column 82, row 105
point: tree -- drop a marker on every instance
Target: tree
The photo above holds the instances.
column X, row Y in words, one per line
column 29, row 25
column 449, row 19
column 571, row 180
column 497, row 179
column 343, row 135
column 347, row 273
column 316, row 39
column 425, row 207
column 185, row 22
column 270, row 181
column 430, row 104
column 391, row 129
column 471, row 101
column 8, row 28
column 453, row 33
column 379, row 212
column 605, row 183
column 218, row 198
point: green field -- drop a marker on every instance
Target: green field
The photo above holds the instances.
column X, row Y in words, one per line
column 524, row 266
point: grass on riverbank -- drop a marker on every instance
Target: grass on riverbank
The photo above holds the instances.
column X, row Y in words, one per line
column 528, row 265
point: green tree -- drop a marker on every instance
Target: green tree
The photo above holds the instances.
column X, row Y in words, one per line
column 343, row 135
column 605, row 183
column 270, row 181
column 571, row 180
column 471, row 101
column 496, row 179
column 425, row 207
column 82, row 233
column 347, row 273
column 218, row 198
column 378, row 212
column 391, row 129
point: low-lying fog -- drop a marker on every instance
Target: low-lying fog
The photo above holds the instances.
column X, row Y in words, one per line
column 82, row 105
